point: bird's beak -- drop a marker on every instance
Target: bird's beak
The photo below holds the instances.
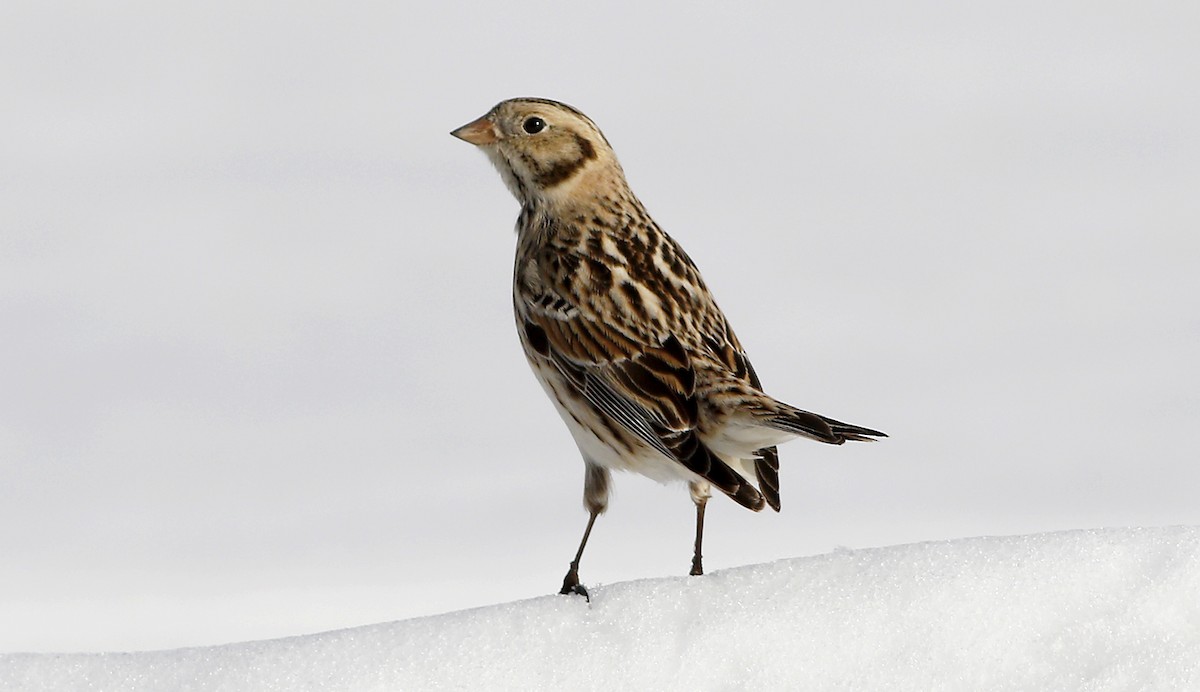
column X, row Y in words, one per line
column 480, row 132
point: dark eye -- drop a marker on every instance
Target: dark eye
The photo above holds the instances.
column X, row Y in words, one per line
column 533, row 125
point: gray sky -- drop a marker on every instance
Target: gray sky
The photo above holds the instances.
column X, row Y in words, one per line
column 258, row 374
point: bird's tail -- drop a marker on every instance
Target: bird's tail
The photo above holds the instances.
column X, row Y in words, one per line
column 814, row 426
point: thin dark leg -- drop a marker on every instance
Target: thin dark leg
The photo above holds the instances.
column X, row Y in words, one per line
column 697, row 565
column 571, row 581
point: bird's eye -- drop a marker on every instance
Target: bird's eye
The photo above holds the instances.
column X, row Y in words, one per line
column 533, row 125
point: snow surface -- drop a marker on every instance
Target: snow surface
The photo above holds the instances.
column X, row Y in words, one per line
column 1113, row 609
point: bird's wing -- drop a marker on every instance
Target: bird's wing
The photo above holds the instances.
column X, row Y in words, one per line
column 624, row 352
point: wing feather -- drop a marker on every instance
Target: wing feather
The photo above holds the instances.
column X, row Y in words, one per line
column 636, row 372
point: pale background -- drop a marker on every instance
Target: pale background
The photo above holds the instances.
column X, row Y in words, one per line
column 258, row 374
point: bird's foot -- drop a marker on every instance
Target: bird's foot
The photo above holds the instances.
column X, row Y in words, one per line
column 578, row 590
column 697, row 567
column 571, row 585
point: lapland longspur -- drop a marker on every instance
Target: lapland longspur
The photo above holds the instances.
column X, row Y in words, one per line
column 622, row 332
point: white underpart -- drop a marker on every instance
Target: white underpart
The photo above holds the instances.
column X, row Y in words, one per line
column 736, row 449
column 644, row 459
column 740, row 439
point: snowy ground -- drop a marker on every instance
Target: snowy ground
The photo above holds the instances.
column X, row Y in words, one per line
column 1082, row 610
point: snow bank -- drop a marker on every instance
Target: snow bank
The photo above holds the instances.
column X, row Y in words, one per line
column 1083, row 610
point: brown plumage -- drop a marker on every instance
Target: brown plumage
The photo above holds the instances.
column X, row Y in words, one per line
column 621, row 331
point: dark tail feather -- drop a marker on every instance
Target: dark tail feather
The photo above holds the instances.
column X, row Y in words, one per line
column 818, row 427
column 854, row 433
column 688, row 450
column 766, row 467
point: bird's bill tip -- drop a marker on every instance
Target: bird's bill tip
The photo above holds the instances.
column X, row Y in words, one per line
column 479, row 132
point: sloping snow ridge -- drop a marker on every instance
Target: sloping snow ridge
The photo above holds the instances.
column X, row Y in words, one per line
column 1114, row 609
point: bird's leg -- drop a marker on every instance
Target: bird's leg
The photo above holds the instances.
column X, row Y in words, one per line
column 571, row 581
column 700, row 494
column 697, row 565
column 596, row 480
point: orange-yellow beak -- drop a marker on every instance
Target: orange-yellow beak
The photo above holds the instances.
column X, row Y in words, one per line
column 480, row 132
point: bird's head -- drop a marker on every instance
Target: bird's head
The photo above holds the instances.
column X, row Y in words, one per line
column 544, row 150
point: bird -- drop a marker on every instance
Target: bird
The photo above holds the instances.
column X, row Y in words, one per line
column 622, row 332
